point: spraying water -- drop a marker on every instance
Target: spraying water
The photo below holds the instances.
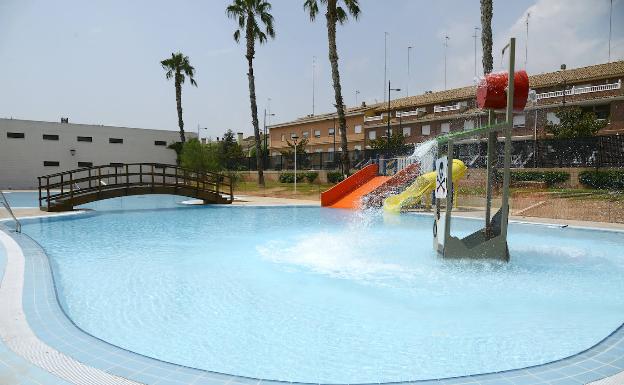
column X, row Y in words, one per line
column 425, row 154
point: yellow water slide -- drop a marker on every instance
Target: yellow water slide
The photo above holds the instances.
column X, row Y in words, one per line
column 422, row 186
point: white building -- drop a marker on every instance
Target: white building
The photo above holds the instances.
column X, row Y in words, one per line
column 29, row 149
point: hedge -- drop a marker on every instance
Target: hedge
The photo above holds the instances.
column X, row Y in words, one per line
column 289, row 177
column 549, row 177
column 334, row 176
column 608, row 180
column 311, row 176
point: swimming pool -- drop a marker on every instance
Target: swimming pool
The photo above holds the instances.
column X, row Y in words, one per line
column 321, row 295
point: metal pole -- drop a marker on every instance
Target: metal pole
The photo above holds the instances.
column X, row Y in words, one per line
column 449, row 194
column 408, row 70
column 313, row 80
column 475, row 51
column 490, row 176
column 507, row 130
column 385, row 62
column 388, row 129
column 446, row 39
column 295, row 166
column 526, row 43
column 610, row 14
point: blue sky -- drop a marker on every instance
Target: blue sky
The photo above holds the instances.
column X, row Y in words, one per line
column 98, row 61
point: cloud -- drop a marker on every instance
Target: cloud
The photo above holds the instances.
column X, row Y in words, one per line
column 574, row 32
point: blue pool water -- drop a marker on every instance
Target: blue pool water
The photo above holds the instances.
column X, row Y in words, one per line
column 323, row 295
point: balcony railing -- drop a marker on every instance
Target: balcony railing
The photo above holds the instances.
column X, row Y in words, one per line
column 452, row 107
column 580, row 90
column 374, row 118
column 404, row 114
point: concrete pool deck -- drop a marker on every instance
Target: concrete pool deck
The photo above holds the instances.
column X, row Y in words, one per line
column 41, row 345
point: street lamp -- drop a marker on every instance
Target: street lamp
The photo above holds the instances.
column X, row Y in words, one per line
column 388, row 129
column 294, row 138
column 200, row 128
column 266, row 156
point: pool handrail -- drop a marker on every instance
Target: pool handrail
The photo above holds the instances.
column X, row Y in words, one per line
column 7, row 206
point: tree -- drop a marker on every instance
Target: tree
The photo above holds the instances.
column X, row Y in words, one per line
column 229, row 150
column 179, row 67
column 200, row 157
column 301, row 145
column 395, row 143
column 250, row 14
column 486, row 35
column 575, row 123
column 336, row 14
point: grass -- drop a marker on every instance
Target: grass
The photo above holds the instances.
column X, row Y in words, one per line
column 284, row 190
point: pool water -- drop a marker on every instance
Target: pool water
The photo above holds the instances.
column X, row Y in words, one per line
column 324, row 295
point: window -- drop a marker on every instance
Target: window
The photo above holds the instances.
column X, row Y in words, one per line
column 468, row 124
column 292, row 135
column 50, row 137
column 160, row 143
column 358, row 129
column 115, row 140
column 331, row 131
column 84, row 139
column 317, row 133
column 519, row 120
column 601, row 111
column 15, row 135
column 426, row 130
column 283, row 138
column 445, row 128
column 552, row 118
column 407, row 131
column 372, row 135
column 331, row 149
column 306, row 134
column 357, row 148
column 50, row 163
column 85, row 164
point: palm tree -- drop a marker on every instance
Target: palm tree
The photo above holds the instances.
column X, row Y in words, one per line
column 486, row 35
column 179, row 67
column 336, row 14
column 250, row 14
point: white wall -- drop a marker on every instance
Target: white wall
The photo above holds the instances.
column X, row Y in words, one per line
column 21, row 160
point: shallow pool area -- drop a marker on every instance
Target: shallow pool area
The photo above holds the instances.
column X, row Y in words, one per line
column 321, row 295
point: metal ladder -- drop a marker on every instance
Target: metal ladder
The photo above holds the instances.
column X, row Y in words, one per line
column 5, row 203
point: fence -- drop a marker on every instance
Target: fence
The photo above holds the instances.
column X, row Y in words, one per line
column 596, row 151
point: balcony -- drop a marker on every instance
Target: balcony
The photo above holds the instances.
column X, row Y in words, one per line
column 374, row 118
column 417, row 112
column 580, row 90
column 453, row 107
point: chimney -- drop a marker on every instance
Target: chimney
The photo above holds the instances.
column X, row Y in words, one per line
column 239, row 137
column 64, row 120
column 363, row 104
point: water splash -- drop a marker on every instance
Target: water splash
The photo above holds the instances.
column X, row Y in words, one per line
column 425, row 154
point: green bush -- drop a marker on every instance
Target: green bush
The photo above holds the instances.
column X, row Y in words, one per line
column 289, row 177
column 608, row 180
column 334, row 177
column 311, row 176
column 549, row 177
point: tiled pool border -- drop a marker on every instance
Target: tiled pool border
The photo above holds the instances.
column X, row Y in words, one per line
column 52, row 326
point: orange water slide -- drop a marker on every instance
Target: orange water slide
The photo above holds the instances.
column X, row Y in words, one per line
column 347, row 194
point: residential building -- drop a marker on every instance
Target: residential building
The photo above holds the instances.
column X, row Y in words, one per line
column 596, row 88
column 29, row 149
column 321, row 131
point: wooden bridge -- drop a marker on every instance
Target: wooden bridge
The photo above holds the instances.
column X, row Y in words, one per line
column 63, row 191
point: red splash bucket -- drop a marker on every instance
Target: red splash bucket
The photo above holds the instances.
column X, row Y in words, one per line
column 492, row 91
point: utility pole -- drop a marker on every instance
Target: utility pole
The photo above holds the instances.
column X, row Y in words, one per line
column 385, row 62
column 475, row 51
column 446, row 39
column 610, row 14
column 526, row 43
column 408, row 69
column 313, row 80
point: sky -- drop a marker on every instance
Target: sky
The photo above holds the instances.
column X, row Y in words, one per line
column 98, row 61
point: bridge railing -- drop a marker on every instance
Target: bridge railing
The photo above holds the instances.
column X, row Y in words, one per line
column 67, row 184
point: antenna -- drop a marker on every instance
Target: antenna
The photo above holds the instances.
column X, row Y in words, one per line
column 313, row 80
column 610, row 14
column 385, row 62
column 408, row 69
column 526, row 43
column 446, row 39
column 475, row 51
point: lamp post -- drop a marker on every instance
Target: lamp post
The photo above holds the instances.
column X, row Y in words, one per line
column 200, row 128
column 563, row 67
column 266, row 155
column 294, row 138
column 388, row 129
column 408, row 70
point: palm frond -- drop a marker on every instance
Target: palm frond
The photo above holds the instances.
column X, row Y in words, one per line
column 341, row 15
column 353, row 7
column 312, row 7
